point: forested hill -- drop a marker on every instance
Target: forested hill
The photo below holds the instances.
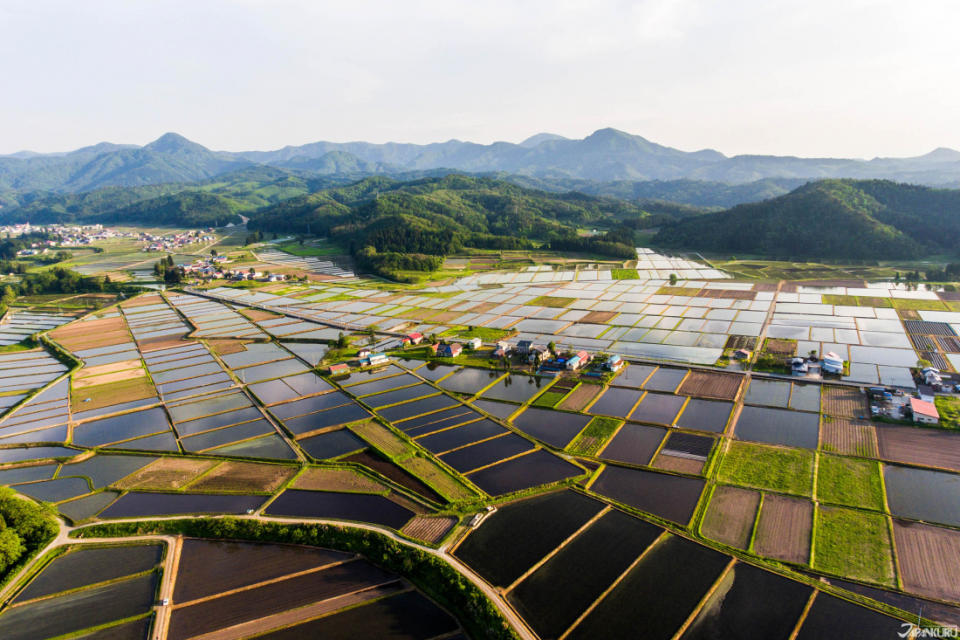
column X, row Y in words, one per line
column 840, row 219
column 439, row 215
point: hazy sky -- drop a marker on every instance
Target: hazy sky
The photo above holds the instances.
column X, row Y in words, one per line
column 804, row 77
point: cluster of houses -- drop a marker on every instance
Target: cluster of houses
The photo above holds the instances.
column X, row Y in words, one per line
column 62, row 236
column 213, row 268
column 175, row 240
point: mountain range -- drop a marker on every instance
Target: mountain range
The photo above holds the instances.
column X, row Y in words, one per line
column 605, row 156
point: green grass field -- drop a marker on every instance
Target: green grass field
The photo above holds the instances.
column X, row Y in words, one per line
column 850, row 482
column 550, row 301
column 767, row 467
column 949, row 410
column 319, row 248
column 594, row 435
column 854, row 544
column 548, row 399
column 485, row 334
column 625, row 274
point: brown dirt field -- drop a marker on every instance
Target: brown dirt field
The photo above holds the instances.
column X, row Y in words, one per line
column 110, row 394
column 780, row 347
column 114, row 367
column 849, row 437
column 244, row 476
column 107, row 340
column 843, row 402
column 676, row 463
column 483, row 307
column 908, row 314
column 446, row 316
column 927, row 447
column 157, row 344
column 727, row 294
column 929, row 557
column 419, row 314
column 703, row 384
column 598, row 317
column 783, row 531
column 141, row 301
column 258, row 314
column 730, row 516
column 165, row 473
column 580, row 397
column 337, row 480
column 428, row 529
column 120, row 376
column 225, row 347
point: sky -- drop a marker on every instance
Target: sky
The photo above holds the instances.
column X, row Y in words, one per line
column 840, row 78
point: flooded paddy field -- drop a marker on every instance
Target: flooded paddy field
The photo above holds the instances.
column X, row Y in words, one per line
column 668, row 496
column 543, row 522
column 530, row 470
column 675, row 572
column 634, row 444
column 585, row 566
column 485, row 453
column 919, row 494
column 777, row 426
column 139, row 505
column 341, row 506
column 80, row 610
column 556, row 428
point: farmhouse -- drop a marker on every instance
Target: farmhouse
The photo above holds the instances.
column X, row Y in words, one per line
column 924, row 412
column 523, row 347
column 451, row 350
column 363, row 353
column 537, row 353
column 415, row 338
column 831, row 363
column 614, row 363
column 339, row 369
column 577, row 360
column 474, row 343
column 374, row 359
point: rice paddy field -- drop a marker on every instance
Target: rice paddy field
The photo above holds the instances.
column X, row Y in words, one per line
column 683, row 498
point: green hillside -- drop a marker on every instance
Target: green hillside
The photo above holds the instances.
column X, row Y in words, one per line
column 857, row 219
column 191, row 208
column 439, row 215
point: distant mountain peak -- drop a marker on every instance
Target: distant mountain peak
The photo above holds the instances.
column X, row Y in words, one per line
column 943, row 154
column 173, row 142
column 534, row 140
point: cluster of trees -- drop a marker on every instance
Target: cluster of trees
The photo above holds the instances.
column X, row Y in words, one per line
column 51, row 258
column 10, row 266
column 25, row 527
column 594, row 244
column 167, row 271
column 435, row 577
column 387, row 264
column 950, row 273
column 11, row 245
